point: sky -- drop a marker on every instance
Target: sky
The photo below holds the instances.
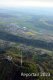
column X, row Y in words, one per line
column 26, row 3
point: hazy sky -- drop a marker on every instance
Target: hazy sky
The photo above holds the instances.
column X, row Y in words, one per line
column 26, row 3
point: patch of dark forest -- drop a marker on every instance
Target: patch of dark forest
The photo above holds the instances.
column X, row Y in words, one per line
column 32, row 42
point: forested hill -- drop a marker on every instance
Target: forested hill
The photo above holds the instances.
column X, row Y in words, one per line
column 32, row 42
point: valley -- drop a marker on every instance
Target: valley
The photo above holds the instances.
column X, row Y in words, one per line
column 26, row 45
